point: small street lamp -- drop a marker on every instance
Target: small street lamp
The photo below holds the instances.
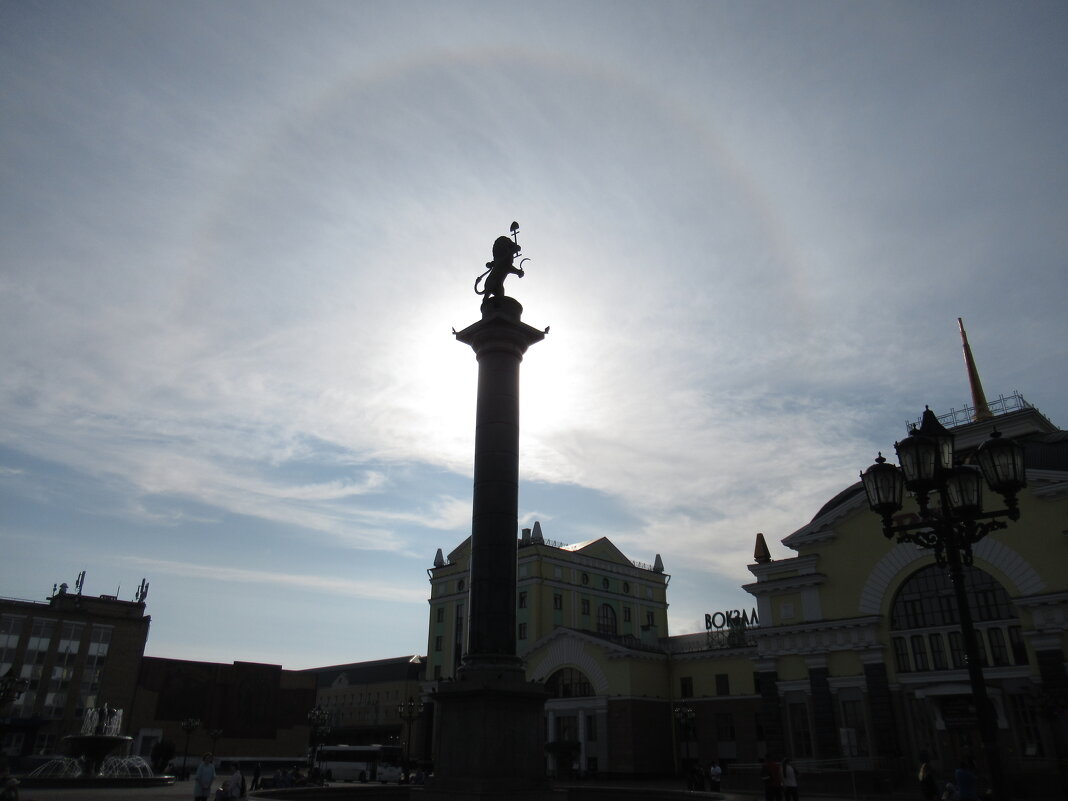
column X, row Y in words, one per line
column 189, row 725
column 928, row 465
column 685, row 716
column 408, row 712
column 318, row 728
column 215, row 734
column 11, row 687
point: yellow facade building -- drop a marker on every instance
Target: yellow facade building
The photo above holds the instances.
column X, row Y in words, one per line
column 851, row 662
column 860, row 649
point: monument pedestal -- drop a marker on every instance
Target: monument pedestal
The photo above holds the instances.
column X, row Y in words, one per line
column 489, row 731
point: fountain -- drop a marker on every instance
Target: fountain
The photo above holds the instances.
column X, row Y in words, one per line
column 89, row 763
column 98, row 738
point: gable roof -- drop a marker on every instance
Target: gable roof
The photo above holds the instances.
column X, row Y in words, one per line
column 398, row 668
column 617, row 644
column 601, row 548
column 460, row 551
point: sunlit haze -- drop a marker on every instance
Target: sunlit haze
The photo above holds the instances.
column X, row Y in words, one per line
column 235, row 239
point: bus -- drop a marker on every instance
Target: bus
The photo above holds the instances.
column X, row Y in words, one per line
column 363, row 763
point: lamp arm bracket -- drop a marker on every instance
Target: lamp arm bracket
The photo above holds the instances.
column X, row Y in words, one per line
column 933, row 522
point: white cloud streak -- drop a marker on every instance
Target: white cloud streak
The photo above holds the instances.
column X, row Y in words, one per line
column 319, row 585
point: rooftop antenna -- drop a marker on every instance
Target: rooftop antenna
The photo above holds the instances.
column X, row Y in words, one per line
column 982, row 410
column 79, row 582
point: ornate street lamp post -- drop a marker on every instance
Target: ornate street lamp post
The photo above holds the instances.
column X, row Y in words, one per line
column 318, row 728
column 189, row 725
column 409, row 711
column 951, row 528
column 685, row 716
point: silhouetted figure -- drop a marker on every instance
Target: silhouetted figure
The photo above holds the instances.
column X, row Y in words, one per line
column 715, row 776
column 929, row 788
column 966, row 780
column 204, row 778
column 771, row 775
column 9, row 785
column 237, row 783
column 789, row 780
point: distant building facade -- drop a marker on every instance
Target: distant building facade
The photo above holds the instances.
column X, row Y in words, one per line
column 361, row 701
column 72, row 653
column 590, row 623
column 244, row 709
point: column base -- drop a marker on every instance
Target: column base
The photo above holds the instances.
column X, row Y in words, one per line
column 490, row 742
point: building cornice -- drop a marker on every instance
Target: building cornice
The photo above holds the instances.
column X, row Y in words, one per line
column 1045, row 599
column 1047, row 483
column 795, row 565
column 573, row 559
column 852, row 634
column 929, row 678
column 784, row 584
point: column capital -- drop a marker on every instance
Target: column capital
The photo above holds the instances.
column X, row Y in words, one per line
column 501, row 326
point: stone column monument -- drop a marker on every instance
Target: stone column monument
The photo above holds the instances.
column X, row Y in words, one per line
column 489, row 732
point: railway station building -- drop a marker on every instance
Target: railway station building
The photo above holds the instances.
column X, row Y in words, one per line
column 852, row 658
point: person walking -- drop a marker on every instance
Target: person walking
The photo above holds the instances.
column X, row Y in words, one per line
column 203, row 778
column 789, row 780
column 967, row 781
column 772, row 777
column 929, row 788
column 237, row 783
column 715, row 776
column 9, row 785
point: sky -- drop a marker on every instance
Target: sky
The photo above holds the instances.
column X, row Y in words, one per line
column 235, row 239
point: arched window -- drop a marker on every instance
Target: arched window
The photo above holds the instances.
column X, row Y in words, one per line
column 606, row 619
column 569, row 683
column 927, row 600
column 924, row 617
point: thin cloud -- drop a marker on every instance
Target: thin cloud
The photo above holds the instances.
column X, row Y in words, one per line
column 325, row 585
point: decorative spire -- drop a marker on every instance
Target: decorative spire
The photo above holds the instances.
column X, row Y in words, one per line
column 761, row 554
column 982, row 411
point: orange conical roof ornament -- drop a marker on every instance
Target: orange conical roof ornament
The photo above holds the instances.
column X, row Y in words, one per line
column 982, row 410
column 761, row 554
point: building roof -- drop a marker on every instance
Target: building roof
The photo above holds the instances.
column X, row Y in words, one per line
column 397, row 668
column 1045, row 448
column 601, row 548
